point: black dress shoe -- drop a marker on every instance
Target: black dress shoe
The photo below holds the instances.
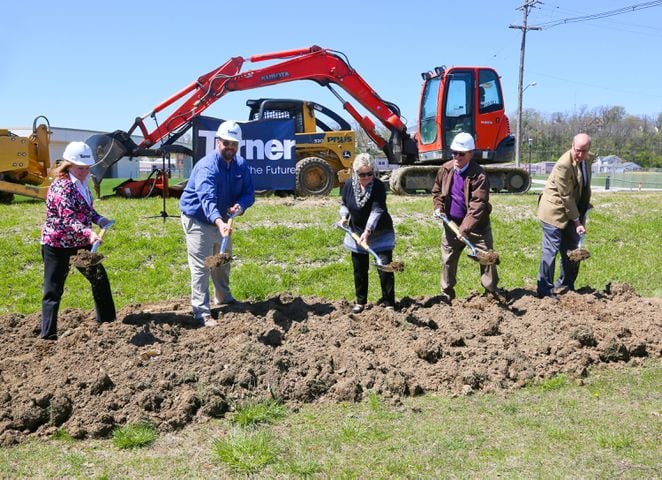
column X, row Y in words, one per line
column 358, row 308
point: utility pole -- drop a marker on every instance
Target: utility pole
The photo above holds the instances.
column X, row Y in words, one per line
column 525, row 7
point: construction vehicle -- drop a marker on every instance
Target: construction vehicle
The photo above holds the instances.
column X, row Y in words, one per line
column 327, row 68
column 454, row 100
column 24, row 162
column 324, row 154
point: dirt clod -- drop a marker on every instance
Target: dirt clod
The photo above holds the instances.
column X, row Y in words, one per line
column 393, row 267
column 578, row 255
column 85, row 259
column 215, row 261
column 487, row 257
column 154, row 364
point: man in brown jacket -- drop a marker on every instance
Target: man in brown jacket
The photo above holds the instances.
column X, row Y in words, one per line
column 562, row 209
column 461, row 193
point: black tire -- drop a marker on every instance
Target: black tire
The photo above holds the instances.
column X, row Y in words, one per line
column 314, row 177
column 6, row 198
column 517, row 182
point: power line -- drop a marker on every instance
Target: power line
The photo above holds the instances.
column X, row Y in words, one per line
column 597, row 16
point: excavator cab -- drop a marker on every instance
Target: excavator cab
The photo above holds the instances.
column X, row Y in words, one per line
column 463, row 99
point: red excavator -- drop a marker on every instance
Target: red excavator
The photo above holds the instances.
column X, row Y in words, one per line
column 458, row 99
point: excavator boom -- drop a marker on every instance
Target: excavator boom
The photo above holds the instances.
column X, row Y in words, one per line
column 323, row 66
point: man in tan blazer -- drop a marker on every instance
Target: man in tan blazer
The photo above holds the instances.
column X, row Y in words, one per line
column 561, row 209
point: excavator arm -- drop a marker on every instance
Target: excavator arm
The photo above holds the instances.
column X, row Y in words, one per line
column 323, row 66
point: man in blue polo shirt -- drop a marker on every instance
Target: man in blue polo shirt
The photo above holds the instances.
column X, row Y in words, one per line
column 461, row 193
column 220, row 186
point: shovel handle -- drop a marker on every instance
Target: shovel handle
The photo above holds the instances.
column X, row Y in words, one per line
column 363, row 245
column 95, row 245
column 456, row 230
column 224, row 242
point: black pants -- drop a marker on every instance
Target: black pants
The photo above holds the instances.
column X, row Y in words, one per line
column 361, row 264
column 56, row 270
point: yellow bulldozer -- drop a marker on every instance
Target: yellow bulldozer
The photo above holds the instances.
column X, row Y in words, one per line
column 324, row 151
column 25, row 162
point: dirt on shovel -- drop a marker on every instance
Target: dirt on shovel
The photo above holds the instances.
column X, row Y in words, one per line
column 487, row 257
column 215, row 261
column 578, row 254
column 392, row 267
column 85, row 259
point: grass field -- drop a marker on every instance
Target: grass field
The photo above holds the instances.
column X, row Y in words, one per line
column 609, row 427
column 290, row 245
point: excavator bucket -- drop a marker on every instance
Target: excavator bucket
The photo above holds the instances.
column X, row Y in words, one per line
column 108, row 149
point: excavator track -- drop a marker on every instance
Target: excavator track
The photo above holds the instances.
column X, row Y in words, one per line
column 419, row 179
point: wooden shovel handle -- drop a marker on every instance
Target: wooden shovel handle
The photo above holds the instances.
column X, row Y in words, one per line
column 357, row 239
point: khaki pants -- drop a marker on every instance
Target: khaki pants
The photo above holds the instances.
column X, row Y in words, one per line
column 451, row 249
column 202, row 241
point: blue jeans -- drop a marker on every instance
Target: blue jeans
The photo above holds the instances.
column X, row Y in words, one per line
column 557, row 240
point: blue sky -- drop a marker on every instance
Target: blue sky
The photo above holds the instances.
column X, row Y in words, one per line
column 98, row 66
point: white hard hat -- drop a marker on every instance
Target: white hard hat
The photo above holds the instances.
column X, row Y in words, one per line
column 463, row 142
column 229, row 130
column 79, row 153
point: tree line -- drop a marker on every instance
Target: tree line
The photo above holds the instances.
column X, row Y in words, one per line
column 614, row 132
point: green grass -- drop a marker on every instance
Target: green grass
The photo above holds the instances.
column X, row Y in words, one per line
column 289, row 245
column 134, row 435
column 557, row 429
column 255, row 413
column 246, row 451
column 608, row 427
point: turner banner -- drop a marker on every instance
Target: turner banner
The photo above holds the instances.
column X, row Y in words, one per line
column 267, row 146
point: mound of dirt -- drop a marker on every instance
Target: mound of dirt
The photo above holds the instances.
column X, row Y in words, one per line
column 154, row 364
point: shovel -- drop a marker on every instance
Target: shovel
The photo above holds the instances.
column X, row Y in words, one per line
column 90, row 258
column 484, row 257
column 580, row 253
column 221, row 258
column 390, row 267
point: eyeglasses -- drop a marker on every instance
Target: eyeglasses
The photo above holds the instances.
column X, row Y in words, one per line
column 459, row 154
column 365, row 174
column 227, row 143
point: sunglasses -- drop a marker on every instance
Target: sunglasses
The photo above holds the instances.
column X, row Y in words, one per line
column 459, row 154
column 366, row 174
column 227, row 143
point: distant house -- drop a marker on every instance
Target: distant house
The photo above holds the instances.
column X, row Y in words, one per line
column 542, row 168
column 630, row 167
column 614, row 164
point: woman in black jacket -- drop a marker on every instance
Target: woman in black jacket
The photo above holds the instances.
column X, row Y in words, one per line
column 364, row 209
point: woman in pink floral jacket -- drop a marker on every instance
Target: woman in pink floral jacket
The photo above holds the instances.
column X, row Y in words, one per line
column 68, row 229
